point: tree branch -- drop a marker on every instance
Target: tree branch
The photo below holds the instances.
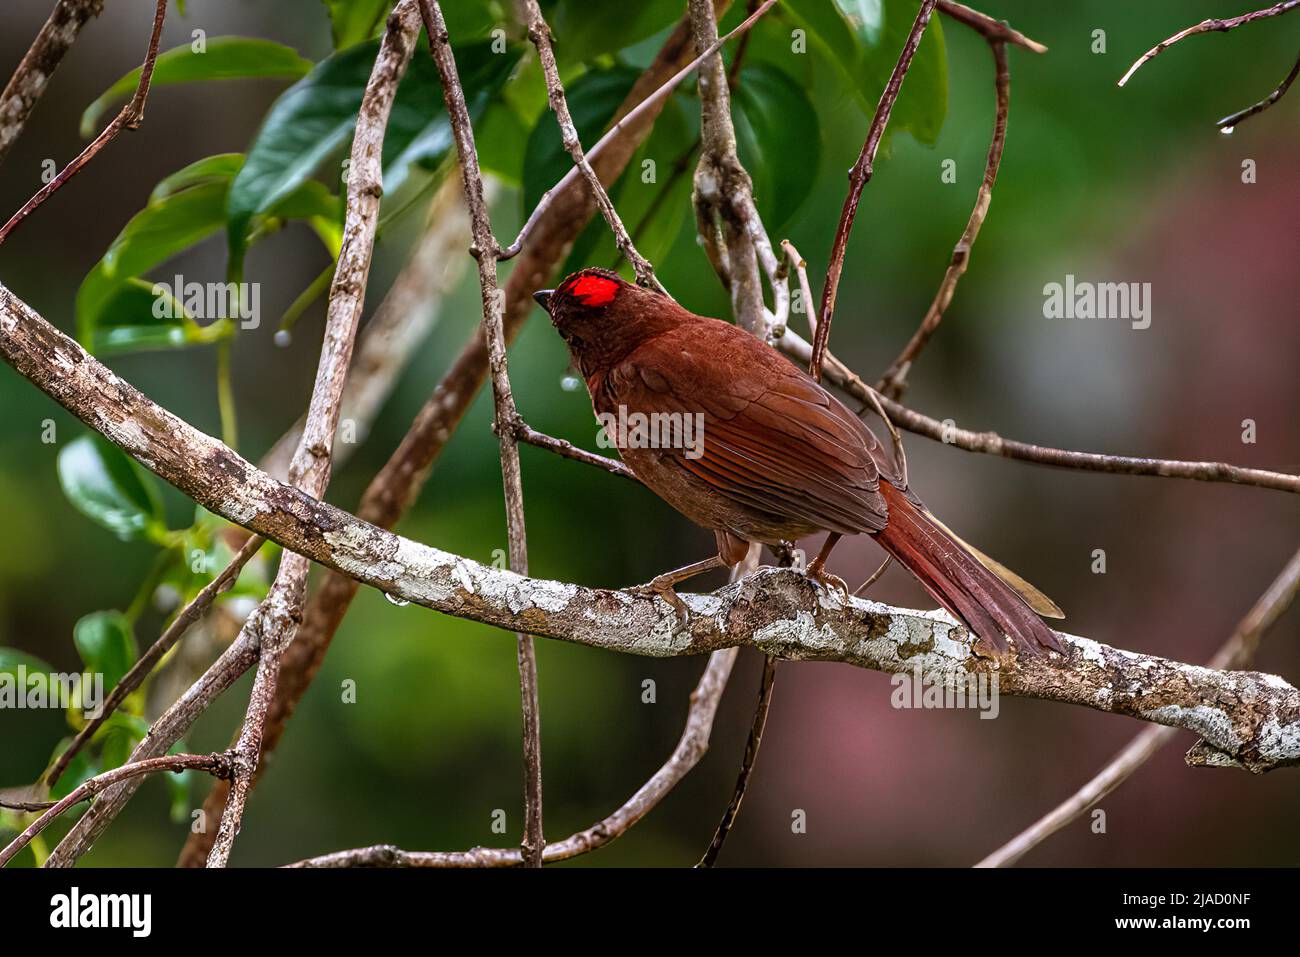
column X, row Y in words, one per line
column 1251, row 718
column 859, row 176
column 894, row 382
column 216, row 764
column 1238, row 651
column 540, row 33
column 648, row 105
column 484, row 250
column 37, row 67
column 130, row 117
column 1212, row 25
column 726, row 217
column 993, row 30
column 1230, row 122
column 310, row 467
column 990, row 443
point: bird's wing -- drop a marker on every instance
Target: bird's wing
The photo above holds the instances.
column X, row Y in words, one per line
column 773, row 439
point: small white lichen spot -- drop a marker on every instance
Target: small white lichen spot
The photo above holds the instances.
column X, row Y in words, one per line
column 1279, row 742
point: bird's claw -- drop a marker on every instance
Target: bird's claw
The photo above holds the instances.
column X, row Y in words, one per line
column 664, row 589
column 819, row 574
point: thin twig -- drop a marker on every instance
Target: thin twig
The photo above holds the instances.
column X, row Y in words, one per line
column 485, row 249
column 540, row 33
column 219, row 765
column 859, row 176
column 145, row 663
column 690, row 749
column 645, row 106
column 1235, row 653
column 993, row 30
column 990, row 443
column 752, row 744
column 37, row 67
column 1212, row 25
column 1229, row 123
column 894, row 382
column 523, row 432
column 875, row 577
column 129, row 117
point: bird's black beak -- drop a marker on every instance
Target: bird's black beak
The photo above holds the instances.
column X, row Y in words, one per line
column 543, row 297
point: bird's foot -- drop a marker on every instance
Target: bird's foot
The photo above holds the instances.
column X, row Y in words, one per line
column 662, row 586
column 818, row 573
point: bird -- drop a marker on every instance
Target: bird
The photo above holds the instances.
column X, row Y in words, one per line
column 740, row 440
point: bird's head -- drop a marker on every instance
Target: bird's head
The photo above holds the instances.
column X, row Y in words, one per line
column 603, row 317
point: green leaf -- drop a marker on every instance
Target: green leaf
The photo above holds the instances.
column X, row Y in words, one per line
column 128, row 321
column 118, row 736
column 220, row 168
column 180, row 787
column 111, row 489
column 355, row 21
column 593, row 99
column 315, row 117
column 863, row 39
column 80, row 769
column 11, row 659
column 225, row 58
column 155, row 234
column 583, row 30
column 308, row 122
column 778, row 139
column 117, row 310
column 106, row 644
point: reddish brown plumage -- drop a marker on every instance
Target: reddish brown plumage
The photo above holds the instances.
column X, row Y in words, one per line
column 780, row 457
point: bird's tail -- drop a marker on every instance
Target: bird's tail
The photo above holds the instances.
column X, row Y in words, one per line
column 992, row 601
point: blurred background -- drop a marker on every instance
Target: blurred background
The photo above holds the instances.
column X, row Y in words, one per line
column 1131, row 185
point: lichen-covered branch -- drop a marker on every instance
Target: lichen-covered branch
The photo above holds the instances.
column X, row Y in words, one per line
column 1247, row 719
column 33, row 74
